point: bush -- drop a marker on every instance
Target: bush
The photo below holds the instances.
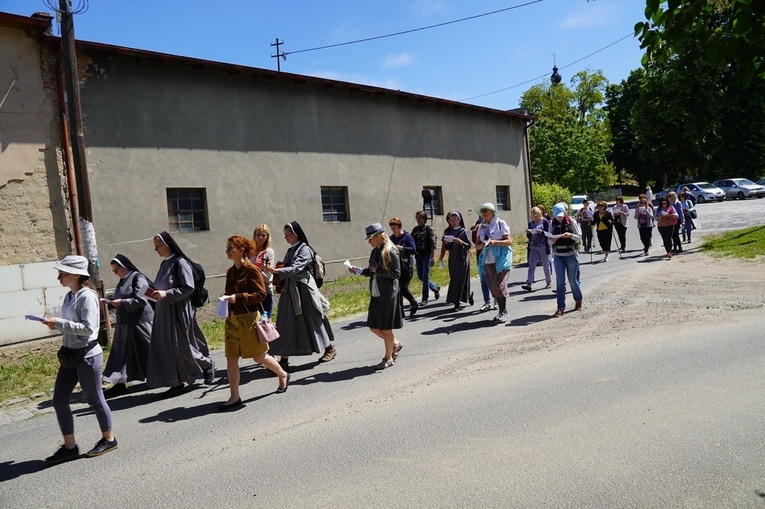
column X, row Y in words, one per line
column 550, row 194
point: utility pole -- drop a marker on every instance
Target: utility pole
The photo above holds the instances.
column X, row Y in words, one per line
column 279, row 54
column 74, row 114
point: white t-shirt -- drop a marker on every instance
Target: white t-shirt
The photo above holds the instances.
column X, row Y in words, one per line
column 496, row 229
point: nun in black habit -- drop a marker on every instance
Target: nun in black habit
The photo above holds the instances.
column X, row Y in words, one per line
column 302, row 310
column 129, row 356
column 178, row 350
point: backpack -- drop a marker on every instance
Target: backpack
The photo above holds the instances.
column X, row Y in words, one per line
column 199, row 296
column 318, row 269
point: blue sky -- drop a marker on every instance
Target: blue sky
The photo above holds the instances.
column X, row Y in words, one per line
column 464, row 61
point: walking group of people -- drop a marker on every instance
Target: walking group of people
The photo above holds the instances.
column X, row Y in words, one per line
column 157, row 337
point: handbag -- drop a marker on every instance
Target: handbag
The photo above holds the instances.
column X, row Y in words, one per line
column 266, row 330
column 71, row 357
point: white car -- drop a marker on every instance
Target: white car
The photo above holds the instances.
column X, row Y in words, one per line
column 576, row 203
column 703, row 192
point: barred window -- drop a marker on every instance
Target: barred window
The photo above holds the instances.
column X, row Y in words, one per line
column 187, row 209
column 334, row 204
column 436, row 203
column 503, row 197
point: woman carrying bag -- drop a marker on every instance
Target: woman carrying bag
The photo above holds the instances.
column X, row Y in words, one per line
column 245, row 292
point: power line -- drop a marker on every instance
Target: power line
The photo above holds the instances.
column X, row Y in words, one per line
column 545, row 75
column 414, row 29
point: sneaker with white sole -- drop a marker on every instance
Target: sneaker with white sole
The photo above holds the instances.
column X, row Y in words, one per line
column 501, row 317
column 486, row 307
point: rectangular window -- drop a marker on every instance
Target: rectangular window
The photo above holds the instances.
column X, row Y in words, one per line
column 436, row 202
column 334, row 204
column 187, row 209
column 503, row 197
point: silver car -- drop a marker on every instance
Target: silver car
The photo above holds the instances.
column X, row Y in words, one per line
column 703, row 192
column 739, row 188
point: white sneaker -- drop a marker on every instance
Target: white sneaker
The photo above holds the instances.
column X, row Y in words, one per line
column 485, row 307
column 502, row 317
column 605, row 259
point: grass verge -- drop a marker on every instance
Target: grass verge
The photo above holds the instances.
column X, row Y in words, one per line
column 748, row 244
column 24, row 373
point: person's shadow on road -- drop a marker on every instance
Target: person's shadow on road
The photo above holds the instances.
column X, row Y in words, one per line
column 11, row 470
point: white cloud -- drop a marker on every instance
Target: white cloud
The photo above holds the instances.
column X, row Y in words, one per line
column 399, row 60
column 427, row 7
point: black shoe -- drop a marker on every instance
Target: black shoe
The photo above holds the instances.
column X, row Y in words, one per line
column 282, row 390
column 456, row 308
column 174, row 391
column 102, row 447
column 413, row 307
column 210, row 373
column 471, row 301
column 285, row 364
column 63, row 454
column 526, row 287
column 225, row 408
column 437, row 293
column 115, row 390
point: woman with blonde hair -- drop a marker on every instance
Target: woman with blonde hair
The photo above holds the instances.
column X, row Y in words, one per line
column 245, row 291
column 263, row 256
column 384, row 270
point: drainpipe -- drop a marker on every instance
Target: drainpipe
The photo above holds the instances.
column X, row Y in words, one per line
column 67, row 157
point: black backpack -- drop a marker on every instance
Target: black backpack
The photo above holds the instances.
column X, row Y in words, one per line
column 200, row 295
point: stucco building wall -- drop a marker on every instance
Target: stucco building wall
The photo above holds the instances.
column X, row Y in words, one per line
column 262, row 149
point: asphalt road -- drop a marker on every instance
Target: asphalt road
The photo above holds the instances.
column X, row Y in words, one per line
column 472, row 415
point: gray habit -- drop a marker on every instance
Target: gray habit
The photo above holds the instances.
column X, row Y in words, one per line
column 178, row 349
column 384, row 305
column 302, row 312
column 459, row 266
column 129, row 355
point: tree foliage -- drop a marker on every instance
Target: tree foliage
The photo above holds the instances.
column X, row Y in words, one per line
column 685, row 118
column 570, row 139
column 736, row 34
column 549, row 194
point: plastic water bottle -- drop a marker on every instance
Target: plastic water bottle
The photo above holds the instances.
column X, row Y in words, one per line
column 442, row 264
column 264, row 317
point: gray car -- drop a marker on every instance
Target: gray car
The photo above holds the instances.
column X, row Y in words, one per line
column 740, row 188
column 702, row 192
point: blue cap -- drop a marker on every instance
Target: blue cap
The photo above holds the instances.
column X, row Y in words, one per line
column 558, row 210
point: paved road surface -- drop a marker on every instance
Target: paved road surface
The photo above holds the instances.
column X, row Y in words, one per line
column 472, row 415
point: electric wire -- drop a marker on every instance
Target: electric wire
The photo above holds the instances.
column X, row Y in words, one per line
column 412, row 30
column 545, row 75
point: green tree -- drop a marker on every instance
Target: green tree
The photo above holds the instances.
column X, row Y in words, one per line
column 620, row 99
column 569, row 142
column 735, row 35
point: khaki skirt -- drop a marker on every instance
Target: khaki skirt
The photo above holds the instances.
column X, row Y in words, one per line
column 242, row 337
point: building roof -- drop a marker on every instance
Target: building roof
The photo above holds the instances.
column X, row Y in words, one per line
column 39, row 25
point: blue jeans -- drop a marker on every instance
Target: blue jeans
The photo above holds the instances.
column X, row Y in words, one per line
column 423, row 274
column 570, row 265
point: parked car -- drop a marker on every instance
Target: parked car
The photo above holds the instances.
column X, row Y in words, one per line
column 703, row 192
column 738, row 188
column 761, row 182
column 576, row 203
column 663, row 193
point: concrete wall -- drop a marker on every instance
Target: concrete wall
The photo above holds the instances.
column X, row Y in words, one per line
column 263, row 149
column 28, row 289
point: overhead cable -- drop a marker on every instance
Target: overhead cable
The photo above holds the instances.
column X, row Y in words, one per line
column 546, row 74
column 413, row 30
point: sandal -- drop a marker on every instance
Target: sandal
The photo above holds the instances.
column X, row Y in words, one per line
column 396, row 349
column 386, row 363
